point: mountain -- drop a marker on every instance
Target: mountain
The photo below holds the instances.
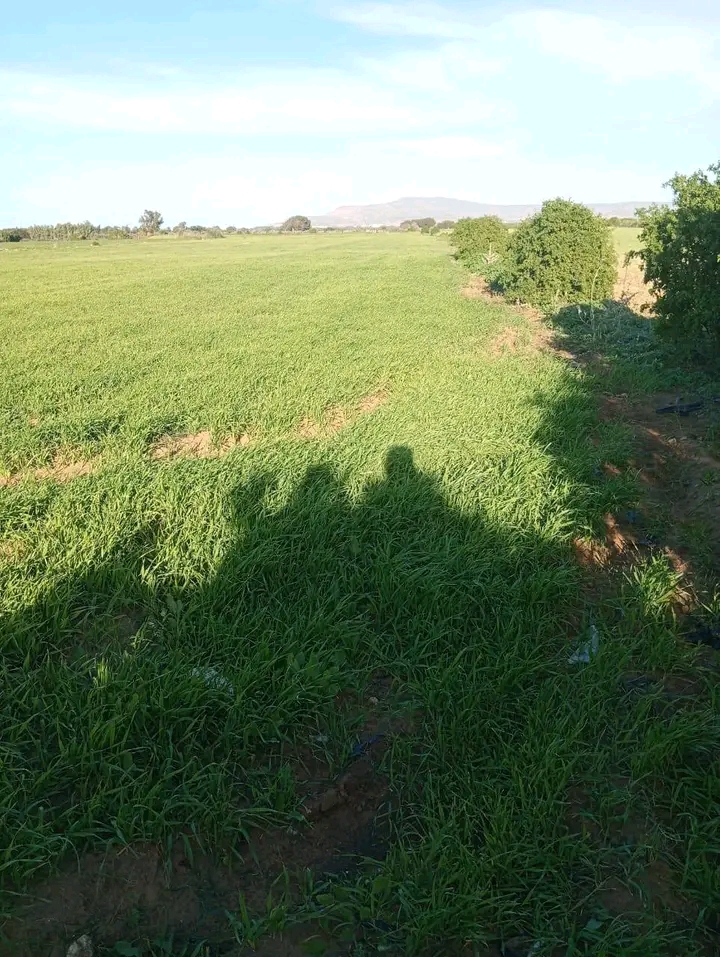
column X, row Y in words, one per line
column 416, row 207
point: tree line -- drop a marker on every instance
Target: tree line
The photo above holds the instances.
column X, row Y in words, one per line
column 565, row 255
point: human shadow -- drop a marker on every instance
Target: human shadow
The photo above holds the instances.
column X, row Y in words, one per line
column 398, row 646
column 172, row 709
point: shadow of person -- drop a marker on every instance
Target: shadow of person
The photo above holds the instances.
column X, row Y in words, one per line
column 389, row 577
column 177, row 728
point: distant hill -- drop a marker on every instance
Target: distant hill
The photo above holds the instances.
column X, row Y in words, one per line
column 411, row 207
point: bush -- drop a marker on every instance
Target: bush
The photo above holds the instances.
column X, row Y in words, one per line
column 681, row 257
column 296, row 224
column 480, row 244
column 10, row 235
column 563, row 255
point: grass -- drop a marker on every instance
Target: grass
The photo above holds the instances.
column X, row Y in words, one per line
column 404, row 506
column 626, row 238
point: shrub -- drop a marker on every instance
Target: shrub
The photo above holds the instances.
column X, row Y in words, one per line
column 296, row 224
column 480, row 244
column 681, row 257
column 11, row 235
column 563, row 255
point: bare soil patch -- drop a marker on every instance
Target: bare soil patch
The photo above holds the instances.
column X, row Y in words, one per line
column 680, row 475
column 13, row 549
column 478, row 288
column 335, row 418
column 197, row 445
column 507, row 341
column 632, row 290
column 66, row 466
column 138, row 891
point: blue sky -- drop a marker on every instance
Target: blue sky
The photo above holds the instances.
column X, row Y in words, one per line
column 244, row 113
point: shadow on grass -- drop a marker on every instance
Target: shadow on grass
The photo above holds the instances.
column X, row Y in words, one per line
column 396, row 631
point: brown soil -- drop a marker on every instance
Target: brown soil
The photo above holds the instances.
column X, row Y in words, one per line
column 507, row 341
column 336, row 418
column 652, row 890
column 632, row 290
column 137, row 892
column 680, row 475
column 542, row 336
column 197, row 445
column 65, row 466
column 654, row 887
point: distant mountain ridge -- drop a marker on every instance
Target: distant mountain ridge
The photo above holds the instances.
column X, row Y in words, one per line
column 440, row 207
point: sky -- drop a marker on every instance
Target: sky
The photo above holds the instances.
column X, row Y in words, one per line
column 245, row 112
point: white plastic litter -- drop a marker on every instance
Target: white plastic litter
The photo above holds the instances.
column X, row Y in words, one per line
column 213, row 679
column 585, row 653
column 82, row 947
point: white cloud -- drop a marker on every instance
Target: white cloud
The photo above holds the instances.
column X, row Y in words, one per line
column 450, row 68
column 418, row 20
column 621, row 51
column 450, row 148
column 624, row 47
column 309, row 101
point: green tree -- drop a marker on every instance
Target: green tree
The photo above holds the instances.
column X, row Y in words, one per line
column 681, row 257
column 151, row 221
column 296, row 224
column 480, row 243
column 564, row 254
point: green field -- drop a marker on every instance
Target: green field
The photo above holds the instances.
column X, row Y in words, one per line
column 376, row 540
column 626, row 238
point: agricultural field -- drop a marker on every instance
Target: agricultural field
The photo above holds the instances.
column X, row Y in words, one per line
column 626, row 239
column 309, row 643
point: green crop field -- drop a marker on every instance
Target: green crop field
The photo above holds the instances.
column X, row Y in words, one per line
column 626, row 238
column 275, row 509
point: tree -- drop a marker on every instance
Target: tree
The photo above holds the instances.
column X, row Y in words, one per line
column 681, row 256
column 296, row 224
column 563, row 255
column 424, row 225
column 151, row 221
column 480, row 244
